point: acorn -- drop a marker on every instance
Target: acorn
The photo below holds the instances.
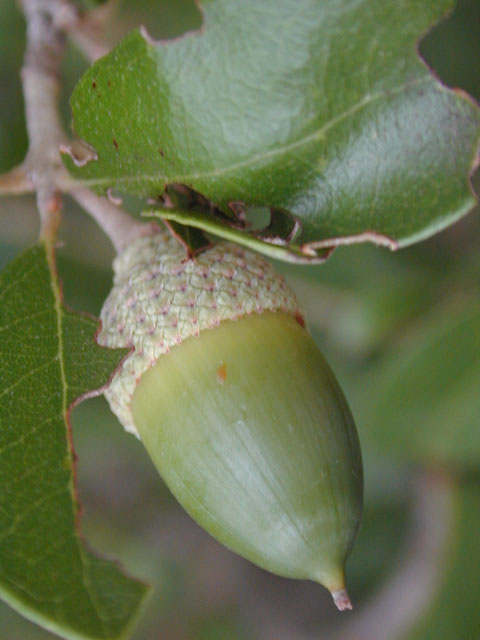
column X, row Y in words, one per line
column 236, row 406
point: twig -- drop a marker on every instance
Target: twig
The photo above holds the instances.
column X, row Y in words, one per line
column 86, row 29
column 15, row 182
column 41, row 84
column 42, row 170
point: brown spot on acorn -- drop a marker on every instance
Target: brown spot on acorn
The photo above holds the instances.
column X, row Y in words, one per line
column 300, row 319
column 222, row 373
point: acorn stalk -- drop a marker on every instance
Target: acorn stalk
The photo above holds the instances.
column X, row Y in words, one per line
column 236, row 406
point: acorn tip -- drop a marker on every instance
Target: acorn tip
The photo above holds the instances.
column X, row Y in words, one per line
column 341, row 600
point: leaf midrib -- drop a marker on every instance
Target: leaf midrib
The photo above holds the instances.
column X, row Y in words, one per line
column 59, row 319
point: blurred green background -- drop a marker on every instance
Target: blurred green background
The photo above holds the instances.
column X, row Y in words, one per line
column 402, row 332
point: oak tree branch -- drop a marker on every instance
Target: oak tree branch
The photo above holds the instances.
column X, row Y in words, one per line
column 42, row 170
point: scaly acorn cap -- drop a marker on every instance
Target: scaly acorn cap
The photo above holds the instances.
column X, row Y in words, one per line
column 246, row 423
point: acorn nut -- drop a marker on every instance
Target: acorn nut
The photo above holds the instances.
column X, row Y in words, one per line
column 236, row 406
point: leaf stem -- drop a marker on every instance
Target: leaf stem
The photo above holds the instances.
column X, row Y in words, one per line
column 115, row 222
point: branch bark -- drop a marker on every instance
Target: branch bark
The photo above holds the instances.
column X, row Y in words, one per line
column 41, row 85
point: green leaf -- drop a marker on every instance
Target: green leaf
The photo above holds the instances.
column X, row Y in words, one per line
column 422, row 402
column 193, row 240
column 320, row 110
column 48, row 360
column 203, row 220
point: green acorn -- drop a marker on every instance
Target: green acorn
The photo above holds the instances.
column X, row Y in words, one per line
column 236, row 406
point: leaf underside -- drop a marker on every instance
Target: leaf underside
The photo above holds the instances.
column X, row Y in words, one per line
column 48, row 359
column 321, row 111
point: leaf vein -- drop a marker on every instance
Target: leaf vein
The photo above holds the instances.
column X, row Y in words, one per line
column 24, row 319
column 30, row 373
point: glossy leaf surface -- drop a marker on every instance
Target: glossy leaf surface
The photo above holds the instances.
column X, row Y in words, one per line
column 319, row 110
